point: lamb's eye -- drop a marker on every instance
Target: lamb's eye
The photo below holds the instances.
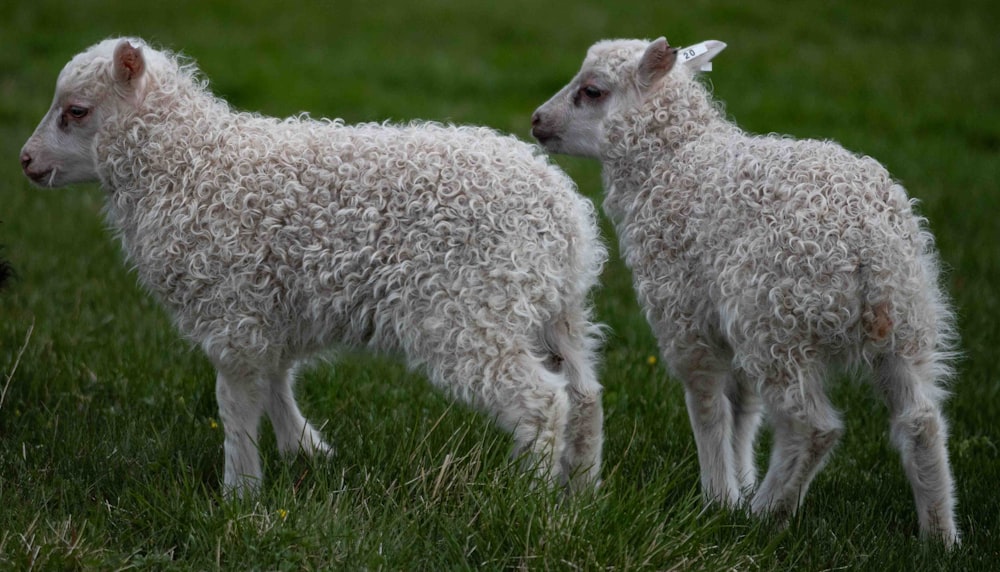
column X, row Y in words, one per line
column 77, row 112
column 591, row 92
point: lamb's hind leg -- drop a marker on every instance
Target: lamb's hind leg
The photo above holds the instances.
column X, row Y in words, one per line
column 526, row 400
column 806, row 428
column 581, row 461
column 920, row 433
column 746, row 407
column 294, row 433
column 572, row 343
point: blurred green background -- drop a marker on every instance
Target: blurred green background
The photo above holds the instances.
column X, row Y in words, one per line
column 110, row 453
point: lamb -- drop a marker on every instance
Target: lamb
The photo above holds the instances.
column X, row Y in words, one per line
column 268, row 241
column 761, row 262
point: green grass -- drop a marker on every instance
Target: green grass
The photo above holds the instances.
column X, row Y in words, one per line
column 110, row 456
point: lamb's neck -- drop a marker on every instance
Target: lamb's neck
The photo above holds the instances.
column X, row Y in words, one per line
column 652, row 135
column 138, row 143
column 143, row 153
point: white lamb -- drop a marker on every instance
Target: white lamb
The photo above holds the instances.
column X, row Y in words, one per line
column 760, row 263
column 271, row 240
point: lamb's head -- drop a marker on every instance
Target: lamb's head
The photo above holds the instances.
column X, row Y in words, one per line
column 616, row 75
column 92, row 87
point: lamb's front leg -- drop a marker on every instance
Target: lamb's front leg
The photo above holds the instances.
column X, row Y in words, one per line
column 241, row 403
column 712, row 424
column 294, row 433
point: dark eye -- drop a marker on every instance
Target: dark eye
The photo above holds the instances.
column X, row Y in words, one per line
column 591, row 92
column 77, row 112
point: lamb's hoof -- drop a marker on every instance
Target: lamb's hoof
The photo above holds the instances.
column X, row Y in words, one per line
column 947, row 535
column 582, row 481
column 323, row 450
column 242, row 487
column 316, row 449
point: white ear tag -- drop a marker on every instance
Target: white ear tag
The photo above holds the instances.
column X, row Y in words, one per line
column 693, row 51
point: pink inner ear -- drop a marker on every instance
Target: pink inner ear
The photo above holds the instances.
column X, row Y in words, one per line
column 663, row 58
column 658, row 59
column 129, row 61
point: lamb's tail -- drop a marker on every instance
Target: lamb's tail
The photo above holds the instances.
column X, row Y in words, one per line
column 571, row 345
column 905, row 310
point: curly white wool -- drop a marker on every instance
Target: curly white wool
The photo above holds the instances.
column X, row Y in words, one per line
column 270, row 240
column 760, row 262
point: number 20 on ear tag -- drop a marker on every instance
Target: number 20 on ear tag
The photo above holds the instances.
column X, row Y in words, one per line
column 703, row 52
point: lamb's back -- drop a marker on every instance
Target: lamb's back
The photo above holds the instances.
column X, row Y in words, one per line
column 283, row 224
column 731, row 226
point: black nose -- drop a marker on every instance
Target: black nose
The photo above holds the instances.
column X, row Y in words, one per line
column 536, row 118
column 25, row 160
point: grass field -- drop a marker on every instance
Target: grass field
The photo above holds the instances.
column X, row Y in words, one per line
column 110, row 452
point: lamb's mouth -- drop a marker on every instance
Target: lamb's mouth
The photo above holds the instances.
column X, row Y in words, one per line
column 544, row 139
column 41, row 178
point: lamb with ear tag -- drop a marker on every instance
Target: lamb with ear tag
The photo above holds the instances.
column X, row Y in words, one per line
column 761, row 263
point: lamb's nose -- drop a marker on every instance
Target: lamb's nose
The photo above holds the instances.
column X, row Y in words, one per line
column 536, row 118
column 25, row 160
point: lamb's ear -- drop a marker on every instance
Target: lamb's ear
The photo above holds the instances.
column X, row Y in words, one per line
column 698, row 57
column 128, row 62
column 658, row 59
